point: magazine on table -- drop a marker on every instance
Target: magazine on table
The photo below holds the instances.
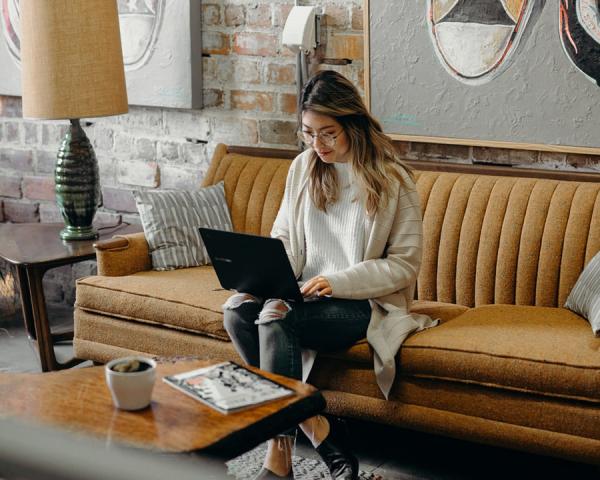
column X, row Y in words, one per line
column 227, row 386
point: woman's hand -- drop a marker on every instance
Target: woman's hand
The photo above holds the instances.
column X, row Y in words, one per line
column 316, row 286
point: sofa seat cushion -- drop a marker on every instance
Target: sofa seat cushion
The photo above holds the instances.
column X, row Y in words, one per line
column 361, row 353
column 440, row 310
column 548, row 351
column 185, row 299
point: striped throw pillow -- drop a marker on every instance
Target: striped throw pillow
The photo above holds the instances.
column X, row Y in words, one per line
column 584, row 299
column 171, row 218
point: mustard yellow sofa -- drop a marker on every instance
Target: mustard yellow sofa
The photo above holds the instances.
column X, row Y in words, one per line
column 507, row 365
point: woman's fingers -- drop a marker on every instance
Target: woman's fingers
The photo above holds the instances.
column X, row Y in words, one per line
column 316, row 286
column 308, row 285
column 325, row 292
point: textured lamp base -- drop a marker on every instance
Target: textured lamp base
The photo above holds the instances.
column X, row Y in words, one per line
column 78, row 233
column 77, row 184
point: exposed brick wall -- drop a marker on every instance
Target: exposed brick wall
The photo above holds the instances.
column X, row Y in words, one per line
column 249, row 97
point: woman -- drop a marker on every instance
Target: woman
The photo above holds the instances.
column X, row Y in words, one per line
column 351, row 224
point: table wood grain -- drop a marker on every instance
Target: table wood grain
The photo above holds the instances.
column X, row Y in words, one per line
column 79, row 400
column 40, row 243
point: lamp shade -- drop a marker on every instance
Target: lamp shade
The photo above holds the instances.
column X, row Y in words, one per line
column 71, row 59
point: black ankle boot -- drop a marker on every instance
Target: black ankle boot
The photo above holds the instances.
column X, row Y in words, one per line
column 336, row 454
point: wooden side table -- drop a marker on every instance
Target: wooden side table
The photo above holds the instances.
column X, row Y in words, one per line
column 35, row 248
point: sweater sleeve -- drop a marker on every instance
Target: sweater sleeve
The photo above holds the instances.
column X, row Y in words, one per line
column 399, row 265
column 281, row 225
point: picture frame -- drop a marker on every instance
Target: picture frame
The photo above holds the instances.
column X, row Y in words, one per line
column 162, row 41
column 162, row 51
column 417, row 99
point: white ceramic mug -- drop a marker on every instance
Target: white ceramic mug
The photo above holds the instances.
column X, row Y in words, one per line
column 131, row 390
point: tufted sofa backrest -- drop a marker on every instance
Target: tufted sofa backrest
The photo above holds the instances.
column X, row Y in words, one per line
column 509, row 240
column 254, row 187
column 487, row 239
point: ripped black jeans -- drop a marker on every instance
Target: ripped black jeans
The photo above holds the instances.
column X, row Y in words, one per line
column 271, row 334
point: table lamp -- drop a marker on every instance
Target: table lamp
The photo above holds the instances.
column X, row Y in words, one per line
column 72, row 68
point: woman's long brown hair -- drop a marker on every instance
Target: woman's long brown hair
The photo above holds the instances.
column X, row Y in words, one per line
column 373, row 159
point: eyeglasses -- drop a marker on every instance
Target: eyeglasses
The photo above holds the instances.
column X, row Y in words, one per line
column 326, row 139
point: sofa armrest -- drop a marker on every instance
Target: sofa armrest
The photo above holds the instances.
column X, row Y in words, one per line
column 123, row 255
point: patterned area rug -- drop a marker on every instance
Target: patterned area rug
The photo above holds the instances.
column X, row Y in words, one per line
column 246, row 466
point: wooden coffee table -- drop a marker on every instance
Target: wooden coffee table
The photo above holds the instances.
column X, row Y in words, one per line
column 78, row 400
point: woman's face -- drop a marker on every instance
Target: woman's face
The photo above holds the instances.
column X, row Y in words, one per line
column 328, row 137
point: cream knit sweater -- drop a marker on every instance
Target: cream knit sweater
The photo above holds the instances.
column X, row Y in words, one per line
column 386, row 275
column 335, row 238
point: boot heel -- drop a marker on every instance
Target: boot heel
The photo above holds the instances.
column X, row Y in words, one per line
column 336, row 454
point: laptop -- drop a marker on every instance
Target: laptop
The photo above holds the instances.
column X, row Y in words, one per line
column 251, row 264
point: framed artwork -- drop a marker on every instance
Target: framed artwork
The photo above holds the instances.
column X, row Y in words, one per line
column 10, row 48
column 162, row 51
column 499, row 73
